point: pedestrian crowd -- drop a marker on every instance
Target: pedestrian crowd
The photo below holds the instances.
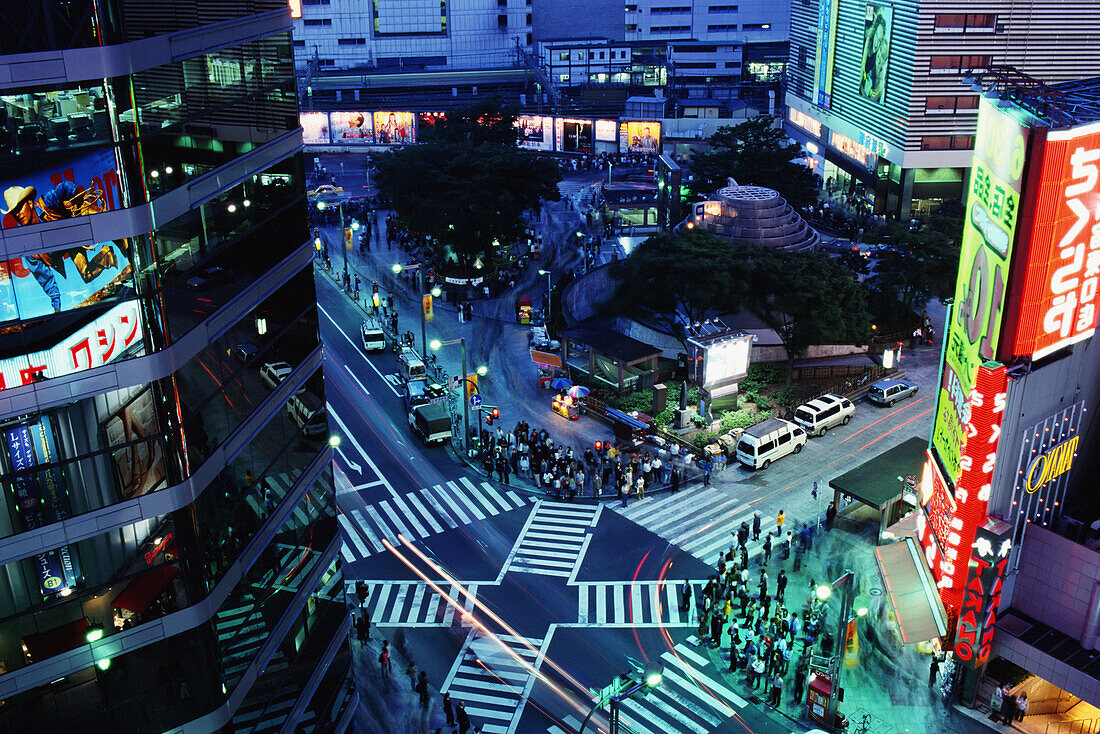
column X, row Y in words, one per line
column 599, row 471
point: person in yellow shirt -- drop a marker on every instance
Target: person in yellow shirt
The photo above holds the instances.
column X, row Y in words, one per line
column 613, row 453
column 779, row 523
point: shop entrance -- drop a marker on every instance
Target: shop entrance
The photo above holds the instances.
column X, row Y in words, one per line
column 1050, row 710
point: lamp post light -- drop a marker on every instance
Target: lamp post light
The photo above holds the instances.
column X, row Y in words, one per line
column 614, row 695
column 436, row 345
column 321, row 206
column 549, row 290
column 845, row 584
column 397, row 268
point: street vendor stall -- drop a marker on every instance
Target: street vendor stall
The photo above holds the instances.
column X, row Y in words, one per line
column 524, row 309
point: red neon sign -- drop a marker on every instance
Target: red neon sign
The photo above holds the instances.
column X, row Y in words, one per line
column 1061, row 281
column 152, row 553
column 982, row 596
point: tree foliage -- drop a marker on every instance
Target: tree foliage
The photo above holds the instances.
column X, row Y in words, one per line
column 755, row 152
column 485, row 122
column 467, row 185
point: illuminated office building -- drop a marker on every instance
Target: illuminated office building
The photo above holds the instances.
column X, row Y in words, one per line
column 167, row 533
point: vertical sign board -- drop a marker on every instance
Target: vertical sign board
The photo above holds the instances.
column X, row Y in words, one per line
column 1047, row 453
column 939, row 508
column 974, row 330
column 982, row 596
column 823, row 58
column 1059, row 296
column 987, row 402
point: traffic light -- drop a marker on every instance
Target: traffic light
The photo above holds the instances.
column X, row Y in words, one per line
column 491, row 413
column 374, row 294
column 599, row 445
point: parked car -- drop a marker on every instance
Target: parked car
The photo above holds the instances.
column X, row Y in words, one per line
column 765, row 442
column 308, row 413
column 823, row 413
column 243, row 352
column 273, row 373
column 838, row 246
column 208, row 277
column 888, row 392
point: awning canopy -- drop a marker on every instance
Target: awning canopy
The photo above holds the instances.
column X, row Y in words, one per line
column 911, row 591
column 608, row 342
column 875, row 482
column 545, row 358
column 141, row 592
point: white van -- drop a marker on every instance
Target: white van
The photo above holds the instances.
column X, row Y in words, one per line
column 410, row 367
column 374, row 339
column 821, row 414
column 308, row 413
column 765, row 442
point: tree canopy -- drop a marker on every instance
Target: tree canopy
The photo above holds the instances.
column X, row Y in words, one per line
column 755, row 152
column 467, row 185
column 484, row 122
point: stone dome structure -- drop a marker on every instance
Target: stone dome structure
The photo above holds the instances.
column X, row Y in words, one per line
column 754, row 214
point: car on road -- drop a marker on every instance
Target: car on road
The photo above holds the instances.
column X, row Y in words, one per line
column 208, row 277
column 768, row 441
column 325, row 191
column 273, row 373
column 823, row 413
column 243, row 352
column 374, row 339
column 838, row 246
column 888, row 392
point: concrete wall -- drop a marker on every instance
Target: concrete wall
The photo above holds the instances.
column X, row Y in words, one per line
column 557, row 19
column 1055, row 580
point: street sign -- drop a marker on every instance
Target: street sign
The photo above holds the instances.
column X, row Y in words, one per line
column 911, row 481
column 475, row 400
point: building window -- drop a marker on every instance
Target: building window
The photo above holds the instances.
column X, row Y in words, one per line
column 298, row 44
column 951, row 105
column 632, row 8
column 966, row 22
column 722, row 9
column 351, row 42
column 697, row 65
column 756, row 26
column 528, row 19
column 722, row 28
column 563, row 77
column 630, row 27
column 957, row 64
column 670, row 29
column 502, row 21
column 327, row 62
column 563, row 56
column 315, row 2
column 802, row 54
column 317, row 22
column 947, row 142
column 670, row 11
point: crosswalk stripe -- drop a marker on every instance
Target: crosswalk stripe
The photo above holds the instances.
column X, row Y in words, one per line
column 433, row 607
column 445, row 496
column 699, row 677
column 672, row 603
column 481, row 495
column 410, row 516
column 398, row 608
column 601, row 603
column 454, row 522
column 361, row 525
column 492, row 492
column 428, row 517
column 394, row 521
column 378, row 596
column 461, row 496
column 381, row 525
column 345, row 553
column 352, row 535
column 418, row 600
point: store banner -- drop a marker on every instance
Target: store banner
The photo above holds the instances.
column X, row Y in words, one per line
column 573, row 136
column 1061, row 283
column 140, row 464
column 989, row 230
column 988, row 561
column 824, row 56
column 87, row 184
column 640, row 137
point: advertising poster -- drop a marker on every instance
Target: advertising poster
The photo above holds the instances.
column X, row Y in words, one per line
column 876, row 51
column 607, row 131
column 989, row 229
column 1060, row 293
column 640, row 137
column 314, row 127
column 826, row 49
column 573, row 136
column 95, row 344
column 140, row 466
column 60, row 280
column 427, row 121
column 351, row 127
column 394, row 128
column 536, row 132
column 86, row 185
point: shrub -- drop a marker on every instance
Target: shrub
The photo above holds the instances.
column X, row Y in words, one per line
column 737, row 419
column 784, row 395
column 702, row 438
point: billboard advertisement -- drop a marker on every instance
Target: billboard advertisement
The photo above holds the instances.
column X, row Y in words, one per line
column 536, row 132
column 573, row 136
column 988, row 562
column 314, row 127
column 1048, row 453
column 139, row 460
column 351, row 127
column 824, row 54
column 394, row 128
column 72, row 277
column 877, row 20
column 988, row 232
column 95, row 344
column 85, row 185
column 640, row 137
column 607, row 131
column 1058, row 301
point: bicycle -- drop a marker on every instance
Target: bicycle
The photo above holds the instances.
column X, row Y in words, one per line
column 864, row 726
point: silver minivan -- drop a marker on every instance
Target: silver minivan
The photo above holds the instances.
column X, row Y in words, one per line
column 308, row 413
column 765, row 442
column 888, row 392
column 823, row 413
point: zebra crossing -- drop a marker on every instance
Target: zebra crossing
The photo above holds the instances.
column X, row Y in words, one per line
column 412, row 603
column 553, row 539
column 280, row 484
column 686, row 700
column 634, row 604
column 417, row 515
column 491, row 682
column 701, row 520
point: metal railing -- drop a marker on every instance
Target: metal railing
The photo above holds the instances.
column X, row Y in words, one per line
column 1081, row 726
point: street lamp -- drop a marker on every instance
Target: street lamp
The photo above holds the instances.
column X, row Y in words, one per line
column 321, row 206
column 845, row 583
column 436, row 345
column 549, row 288
column 397, row 268
column 621, row 689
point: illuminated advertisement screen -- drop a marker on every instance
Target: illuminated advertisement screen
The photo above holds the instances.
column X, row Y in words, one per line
column 726, row 361
column 351, row 127
column 826, row 48
column 72, row 277
column 99, row 342
column 314, row 127
column 85, row 185
column 394, row 128
column 978, row 616
column 988, row 232
column 535, row 132
column 1060, row 292
column 607, row 131
column 573, row 136
column 139, row 460
column 640, row 137
column 295, row 8
column 876, row 51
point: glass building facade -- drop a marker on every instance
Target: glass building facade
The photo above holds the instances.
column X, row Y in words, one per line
column 168, row 540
